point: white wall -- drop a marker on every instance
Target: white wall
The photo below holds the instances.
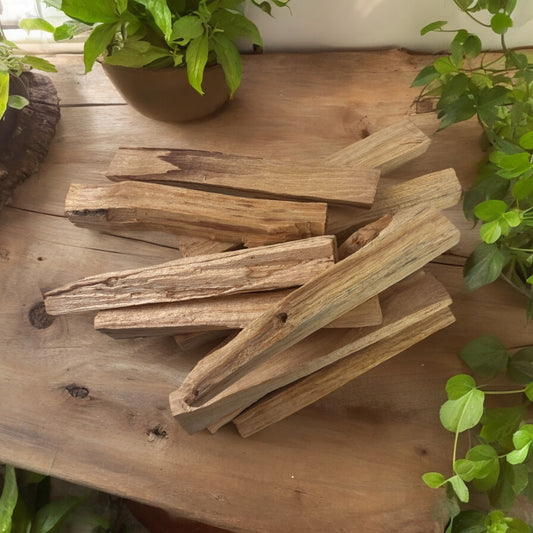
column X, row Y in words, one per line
column 355, row 24
column 349, row 24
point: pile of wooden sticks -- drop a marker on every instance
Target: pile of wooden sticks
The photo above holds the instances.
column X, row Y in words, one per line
column 306, row 275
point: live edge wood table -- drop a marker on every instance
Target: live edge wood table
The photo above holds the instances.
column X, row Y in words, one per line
column 81, row 406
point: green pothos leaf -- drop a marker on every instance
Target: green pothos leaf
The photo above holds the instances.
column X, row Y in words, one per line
column 229, row 59
column 4, row 92
column 8, row 500
column 196, row 60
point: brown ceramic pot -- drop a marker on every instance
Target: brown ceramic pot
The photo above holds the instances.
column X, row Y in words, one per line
column 165, row 94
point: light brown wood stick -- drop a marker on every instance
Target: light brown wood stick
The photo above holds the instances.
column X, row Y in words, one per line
column 229, row 312
column 137, row 205
column 219, row 172
column 264, row 268
column 413, row 238
column 363, row 236
column 290, row 399
column 439, row 190
column 404, row 305
column 385, row 149
column 222, row 313
column 380, row 150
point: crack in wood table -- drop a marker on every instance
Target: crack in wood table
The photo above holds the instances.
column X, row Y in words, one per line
column 93, row 410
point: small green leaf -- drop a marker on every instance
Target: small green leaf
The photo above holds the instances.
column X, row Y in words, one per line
column 4, row 92
column 518, row 456
column 186, row 28
column 460, row 488
column 36, row 24
column 486, row 466
column 39, row 63
column 458, row 386
column 196, row 60
column 229, row 58
column 433, row 479
column 8, row 499
column 136, row 54
column 523, row 436
column 52, row 514
column 490, row 232
column 520, row 367
column 161, row 14
column 469, row 521
column 97, row 43
column 499, row 425
column 16, row 101
column 465, row 469
column 500, row 23
column 69, row 29
column 484, row 266
column 526, row 141
column 90, row 12
column 472, row 46
column 464, row 412
column 444, row 65
column 433, row 26
column 486, row 356
column 425, row 76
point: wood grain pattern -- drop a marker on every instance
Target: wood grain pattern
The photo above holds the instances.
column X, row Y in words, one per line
column 404, row 305
column 223, row 313
column 412, row 239
column 136, row 205
column 220, row 172
column 440, row 190
column 290, row 399
column 385, row 149
column 260, row 269
column 322, row 469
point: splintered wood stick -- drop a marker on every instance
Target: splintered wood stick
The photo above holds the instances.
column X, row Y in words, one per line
column 222, row 313
column 264, row 268
column 148, row 206
column 220, row 172
column 377, row 150
column 229, row 312
column 404, row 305
column 439, row 190
column 385, row 149
column 290, row 399
column 413, row 238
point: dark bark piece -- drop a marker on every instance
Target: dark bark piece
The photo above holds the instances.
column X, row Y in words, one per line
column 35, row 128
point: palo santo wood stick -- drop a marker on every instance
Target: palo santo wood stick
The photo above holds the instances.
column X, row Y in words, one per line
column 263, row 268
column 290, row 399
column 439, row 190
column 218, row 172
column 385, row 149
column 222, row 313
column 404, row 305
column 411, row 240
column 136, row 205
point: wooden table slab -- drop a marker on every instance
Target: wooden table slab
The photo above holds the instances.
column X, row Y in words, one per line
column 81, row 406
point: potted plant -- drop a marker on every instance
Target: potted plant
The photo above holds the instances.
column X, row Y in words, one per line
column 496, row 90
column 13, row 91
column 172, row 60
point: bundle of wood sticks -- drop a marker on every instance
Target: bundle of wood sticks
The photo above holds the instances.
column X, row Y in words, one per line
column 300, row 277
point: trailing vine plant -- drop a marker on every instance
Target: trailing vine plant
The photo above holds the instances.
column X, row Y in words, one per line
column 499, row 459
column 497, row 89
